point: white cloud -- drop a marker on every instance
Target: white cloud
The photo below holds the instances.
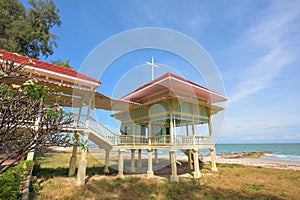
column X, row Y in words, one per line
column 271, row 36
column 262, row 73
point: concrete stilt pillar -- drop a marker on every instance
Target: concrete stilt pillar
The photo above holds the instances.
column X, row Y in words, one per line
column 82, row 164
column 72, row 165
column 190, row 164
column 197, row 173
column 173, row 176
column 30, row 155
column 106, row 168
column 121, row 164
column 213, row 161
column 156, row 156
column 132, row 160
column 139, row 164
column 150, row 171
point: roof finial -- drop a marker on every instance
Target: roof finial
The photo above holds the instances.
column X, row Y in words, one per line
column 152, row 66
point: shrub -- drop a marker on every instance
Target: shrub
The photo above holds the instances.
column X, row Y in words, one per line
column 11, row 179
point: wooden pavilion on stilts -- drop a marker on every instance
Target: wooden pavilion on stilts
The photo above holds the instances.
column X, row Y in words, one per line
column 161, row 115
column 168, row 103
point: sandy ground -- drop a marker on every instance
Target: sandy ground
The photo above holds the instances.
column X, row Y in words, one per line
column 263, row 162
column 164, row 160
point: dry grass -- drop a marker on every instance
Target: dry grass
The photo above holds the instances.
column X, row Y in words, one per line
column 231, row 182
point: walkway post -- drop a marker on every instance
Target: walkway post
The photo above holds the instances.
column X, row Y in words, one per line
column 190, row 165
column 106, row 168
column 197, row 173
column 132, row 160
column 121, row 164
column 82, row 164
column 150, row 171
column 73, row 159
column 173, row 176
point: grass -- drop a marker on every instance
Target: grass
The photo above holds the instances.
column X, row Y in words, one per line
column 231, row 182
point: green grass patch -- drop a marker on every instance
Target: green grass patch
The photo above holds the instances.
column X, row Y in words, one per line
column 225, row 165
column 254, row 186
column 236, row 182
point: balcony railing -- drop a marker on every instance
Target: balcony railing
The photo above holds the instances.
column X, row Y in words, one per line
column 116, row 139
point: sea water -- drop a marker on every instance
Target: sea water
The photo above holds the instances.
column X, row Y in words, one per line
column 288, row 152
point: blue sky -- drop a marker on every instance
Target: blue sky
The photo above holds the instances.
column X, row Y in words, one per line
column 254, row 44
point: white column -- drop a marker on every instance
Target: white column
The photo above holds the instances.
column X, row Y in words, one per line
column 171, row 130
column 72, row 165
column 149, row 132
column 82, row 164
column 134, row 132
column 187, row 128
column 132, row 160
column 193, row 130
column 197, row 173
column 173, row 176
column 150, row 171
column 190, row 165
column 121, row 164
column 171, row 123
column 139, row 164
column 106, row 168
column 212, row 149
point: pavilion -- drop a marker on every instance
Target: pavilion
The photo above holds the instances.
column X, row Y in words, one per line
column 149, row 115
column 167, row 103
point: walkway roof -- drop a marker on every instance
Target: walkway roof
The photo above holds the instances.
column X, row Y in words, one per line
column 67, row 81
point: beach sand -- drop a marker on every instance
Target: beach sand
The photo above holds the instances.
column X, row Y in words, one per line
column 163, row 160
column 263, row 162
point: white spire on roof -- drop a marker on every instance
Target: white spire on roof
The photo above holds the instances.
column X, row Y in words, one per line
column 152, row 66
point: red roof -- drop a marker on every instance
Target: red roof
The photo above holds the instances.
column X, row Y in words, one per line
column 175, row 84
column 45, row 65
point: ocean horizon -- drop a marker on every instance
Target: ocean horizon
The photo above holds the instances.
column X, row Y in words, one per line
column 280, row 151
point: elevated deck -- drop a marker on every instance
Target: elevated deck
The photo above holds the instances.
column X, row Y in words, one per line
column 107, row 139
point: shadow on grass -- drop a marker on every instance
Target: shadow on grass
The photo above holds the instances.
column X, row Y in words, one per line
column 135, row 188
column 47, row 173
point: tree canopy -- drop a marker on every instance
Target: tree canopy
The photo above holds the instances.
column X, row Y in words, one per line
column 26, row 121
column 62, row 63
column 27, row 31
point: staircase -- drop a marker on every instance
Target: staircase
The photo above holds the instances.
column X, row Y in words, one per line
column 98, row 133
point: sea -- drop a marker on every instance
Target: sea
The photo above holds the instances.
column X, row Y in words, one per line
column 284, row 152
column 287, row 152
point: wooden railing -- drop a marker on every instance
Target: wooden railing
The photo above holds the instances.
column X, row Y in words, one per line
column 143, row 140
column 117, row 139
column 192, row 140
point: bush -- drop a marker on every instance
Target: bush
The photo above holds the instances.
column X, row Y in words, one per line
column 11, row 179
